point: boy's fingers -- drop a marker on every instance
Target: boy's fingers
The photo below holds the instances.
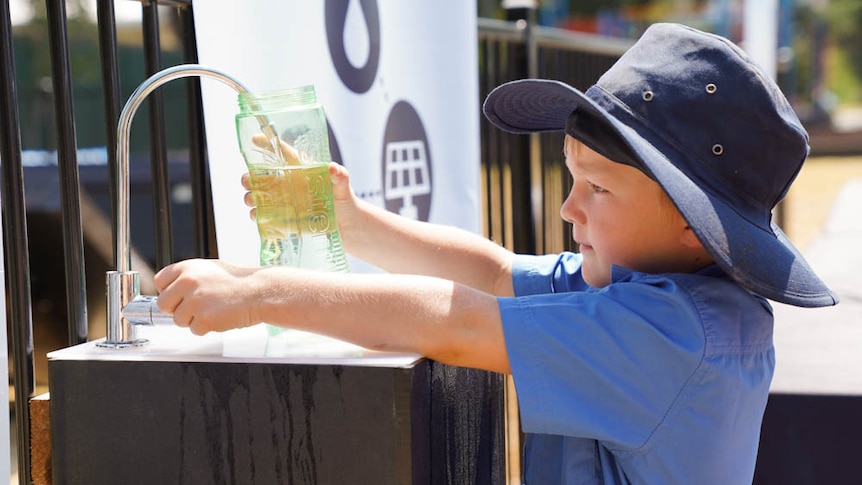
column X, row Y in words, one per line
column 198, row 329
column 181, row 317
column 340, row 181
column 165, row 277
column 260, row 140
column 245, row 181
column 337, row 172
column 168, row 302
column 291, row 156
column 248, row 199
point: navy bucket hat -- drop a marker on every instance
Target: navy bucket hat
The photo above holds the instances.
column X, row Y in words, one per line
column 695, row 113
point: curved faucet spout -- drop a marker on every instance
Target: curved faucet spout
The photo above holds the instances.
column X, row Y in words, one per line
column 124, row 126
column 123, row 285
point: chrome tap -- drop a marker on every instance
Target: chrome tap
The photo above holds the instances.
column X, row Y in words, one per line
column 126, row 307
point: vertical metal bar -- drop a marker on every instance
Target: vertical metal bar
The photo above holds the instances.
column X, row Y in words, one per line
column 535, row 147
column 500, row 156
column 205, row 235
column 484, row 145
column 67, row 163
column 518, row 161
column 112, row 95
column 158, row 145
column 15, row 245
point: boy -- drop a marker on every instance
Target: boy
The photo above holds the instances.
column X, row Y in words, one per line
column 645, row 358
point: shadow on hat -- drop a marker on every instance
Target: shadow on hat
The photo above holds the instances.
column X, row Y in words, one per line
column 692, row 111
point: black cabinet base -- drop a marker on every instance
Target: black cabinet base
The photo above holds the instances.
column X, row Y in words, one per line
column 118, row 422
column 810, row 439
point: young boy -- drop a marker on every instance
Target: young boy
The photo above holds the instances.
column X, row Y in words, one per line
column 645, row 358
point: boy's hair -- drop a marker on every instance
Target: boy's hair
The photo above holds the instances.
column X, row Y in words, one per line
column 695, row 113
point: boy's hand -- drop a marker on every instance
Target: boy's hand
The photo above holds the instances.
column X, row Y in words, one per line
column 248, row 199
column 289, row 155
column 343, row 197
column 208, row 295
column 342, row 194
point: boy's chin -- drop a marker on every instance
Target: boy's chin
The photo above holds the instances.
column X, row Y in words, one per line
column 596, row 279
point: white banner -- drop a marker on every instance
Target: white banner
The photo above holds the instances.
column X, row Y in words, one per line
column 390, row 74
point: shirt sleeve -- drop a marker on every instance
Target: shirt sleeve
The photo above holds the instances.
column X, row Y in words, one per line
column 552, row 273
column 603, row 364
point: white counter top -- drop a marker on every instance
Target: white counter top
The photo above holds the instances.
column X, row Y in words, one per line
column 253, row 344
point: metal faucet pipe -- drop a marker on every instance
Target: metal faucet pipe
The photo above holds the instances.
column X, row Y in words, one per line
column 126, row 307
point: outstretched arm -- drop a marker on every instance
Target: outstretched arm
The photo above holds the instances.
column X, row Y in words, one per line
column 443, row 320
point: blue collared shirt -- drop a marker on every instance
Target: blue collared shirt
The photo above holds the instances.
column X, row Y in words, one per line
column 654, row 379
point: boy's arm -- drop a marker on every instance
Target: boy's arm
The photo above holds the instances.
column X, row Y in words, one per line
column 445, row 321
column 401, row 245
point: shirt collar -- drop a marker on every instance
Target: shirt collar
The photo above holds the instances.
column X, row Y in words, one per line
column 620, row 273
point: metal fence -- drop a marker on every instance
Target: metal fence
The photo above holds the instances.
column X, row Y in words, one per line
column 18, row 277
column 523, row 178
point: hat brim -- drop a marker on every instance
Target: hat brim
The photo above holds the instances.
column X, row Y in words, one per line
column 748, row 247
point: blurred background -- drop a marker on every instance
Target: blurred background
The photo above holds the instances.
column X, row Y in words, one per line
column 819, row 52
column 819, row 43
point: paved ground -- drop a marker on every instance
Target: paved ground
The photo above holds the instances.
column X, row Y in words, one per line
column 820, row 350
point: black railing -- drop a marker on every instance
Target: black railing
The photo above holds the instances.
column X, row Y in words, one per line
column 522, row 177
column 18, row 283
column 16, row 258
column 67, row 163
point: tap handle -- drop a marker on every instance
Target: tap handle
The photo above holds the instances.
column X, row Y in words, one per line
column 142, row 310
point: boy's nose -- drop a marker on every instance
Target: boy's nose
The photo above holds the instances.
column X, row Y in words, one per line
column 570, row 210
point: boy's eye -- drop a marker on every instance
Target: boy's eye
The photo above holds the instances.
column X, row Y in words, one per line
column 596, row 188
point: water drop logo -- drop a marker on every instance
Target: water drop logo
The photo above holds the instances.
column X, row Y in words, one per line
column 357, row 63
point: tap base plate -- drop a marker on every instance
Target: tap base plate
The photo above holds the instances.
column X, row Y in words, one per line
column 122, row 345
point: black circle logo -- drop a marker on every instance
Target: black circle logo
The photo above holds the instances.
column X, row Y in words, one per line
column 406, row 164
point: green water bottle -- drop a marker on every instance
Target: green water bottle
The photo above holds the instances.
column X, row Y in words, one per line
column 288, row 163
